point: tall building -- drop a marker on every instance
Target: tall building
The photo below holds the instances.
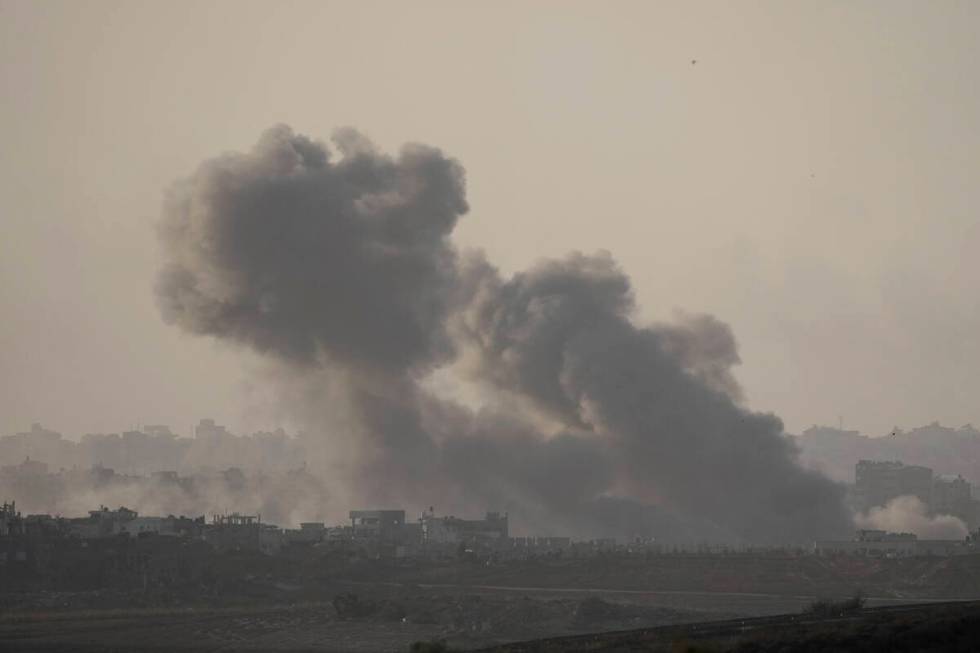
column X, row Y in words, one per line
column 954, row 496
column 878, row 482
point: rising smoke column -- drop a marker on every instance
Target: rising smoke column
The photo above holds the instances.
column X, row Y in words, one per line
column 560, row 336
column 343, row 271
column 340, row 266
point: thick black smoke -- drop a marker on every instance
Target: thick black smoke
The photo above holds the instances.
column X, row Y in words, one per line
column 314, row 261
column 344, row 272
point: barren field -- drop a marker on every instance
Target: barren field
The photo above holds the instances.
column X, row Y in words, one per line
column 936, row 627
column 382, row 618
column 319, row 605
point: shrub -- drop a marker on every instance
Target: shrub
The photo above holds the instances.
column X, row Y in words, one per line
column 828, row 608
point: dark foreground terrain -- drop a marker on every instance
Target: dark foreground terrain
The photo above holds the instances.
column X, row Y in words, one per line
column 314, row 602
column 468, row 622
column 359, row 618
column 939, row 627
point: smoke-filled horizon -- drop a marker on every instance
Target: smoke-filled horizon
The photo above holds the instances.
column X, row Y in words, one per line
column 809, row 180
column 338, row 267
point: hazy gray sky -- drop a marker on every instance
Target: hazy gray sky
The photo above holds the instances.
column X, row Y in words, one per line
column 811, row 180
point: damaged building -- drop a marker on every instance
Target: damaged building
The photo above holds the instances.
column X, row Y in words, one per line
column 492, row 530
column 384, row 533
column 102, row 522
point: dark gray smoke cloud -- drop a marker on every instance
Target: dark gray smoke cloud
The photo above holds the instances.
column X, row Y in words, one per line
column 314, row 261
column 560, row 335
column 343, row 271
column 704, row 346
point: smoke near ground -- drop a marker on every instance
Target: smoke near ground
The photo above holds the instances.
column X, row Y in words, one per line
column 907, row 514
column 340, row 268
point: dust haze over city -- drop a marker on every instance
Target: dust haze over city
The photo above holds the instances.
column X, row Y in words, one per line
column 295, row 295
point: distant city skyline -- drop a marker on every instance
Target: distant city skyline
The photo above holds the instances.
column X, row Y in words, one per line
column 189, row 428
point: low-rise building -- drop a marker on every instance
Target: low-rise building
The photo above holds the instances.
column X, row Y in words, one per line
column 382, row 525
column 234, row 532
column 101, row 523
column 881, row 544
column 307, row 533
column 491, row 530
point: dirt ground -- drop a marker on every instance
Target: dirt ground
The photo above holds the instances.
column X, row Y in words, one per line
column 313, row 605
column 362, row 618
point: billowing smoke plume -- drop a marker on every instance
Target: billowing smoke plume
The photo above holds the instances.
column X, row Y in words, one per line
column 315, row 262
column 907, row 514
column 343, row 272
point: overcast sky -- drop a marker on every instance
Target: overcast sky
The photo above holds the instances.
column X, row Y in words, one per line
column 811, row 180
